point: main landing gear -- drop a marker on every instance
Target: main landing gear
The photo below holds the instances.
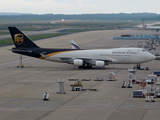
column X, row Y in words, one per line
column 86, row 66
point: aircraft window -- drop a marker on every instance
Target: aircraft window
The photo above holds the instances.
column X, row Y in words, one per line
column 143, row 50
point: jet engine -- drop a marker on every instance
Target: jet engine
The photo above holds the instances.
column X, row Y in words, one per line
column 100, row 64
column 78, row 62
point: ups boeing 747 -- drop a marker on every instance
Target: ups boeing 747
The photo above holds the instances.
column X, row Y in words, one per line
column 79, row 57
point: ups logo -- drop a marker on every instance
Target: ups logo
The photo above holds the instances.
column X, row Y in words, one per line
column 18, row 39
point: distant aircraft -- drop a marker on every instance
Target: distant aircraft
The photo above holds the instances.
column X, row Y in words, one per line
column 157, row 28
column 79, row 57
column 74, row 45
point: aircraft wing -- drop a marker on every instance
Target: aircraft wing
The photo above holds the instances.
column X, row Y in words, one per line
column 89, row 59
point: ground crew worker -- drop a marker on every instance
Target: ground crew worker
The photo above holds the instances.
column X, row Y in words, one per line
column 46, row 96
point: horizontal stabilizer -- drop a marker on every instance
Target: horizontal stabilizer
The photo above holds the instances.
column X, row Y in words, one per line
column 43, row 55
column 19, row 50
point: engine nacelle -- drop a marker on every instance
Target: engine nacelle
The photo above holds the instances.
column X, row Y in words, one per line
column 78, row 62
column 100, row 64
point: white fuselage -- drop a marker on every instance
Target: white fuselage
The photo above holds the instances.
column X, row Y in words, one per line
column 115, row 56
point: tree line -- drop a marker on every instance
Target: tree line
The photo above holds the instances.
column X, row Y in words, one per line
column 119, row 16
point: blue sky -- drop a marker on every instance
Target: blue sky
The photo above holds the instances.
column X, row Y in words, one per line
column 80, row 6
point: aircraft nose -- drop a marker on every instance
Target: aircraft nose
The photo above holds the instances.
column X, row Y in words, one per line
column 152, row 57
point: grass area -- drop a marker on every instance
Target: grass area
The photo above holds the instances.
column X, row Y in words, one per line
column 82, row 30
column 87, row 24
column 4, row 33
column 42, row 36
column 77, row 25
column 6, row 41
column 34, row 37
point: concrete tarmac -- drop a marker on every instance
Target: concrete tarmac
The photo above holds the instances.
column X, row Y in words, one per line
column 21, row 89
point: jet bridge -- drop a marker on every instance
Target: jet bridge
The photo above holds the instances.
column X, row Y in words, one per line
column 139, row 37
column 149, row 39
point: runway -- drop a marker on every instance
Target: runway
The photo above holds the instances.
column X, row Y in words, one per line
column 21, row 89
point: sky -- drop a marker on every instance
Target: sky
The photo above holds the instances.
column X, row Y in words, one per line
column 79, row 6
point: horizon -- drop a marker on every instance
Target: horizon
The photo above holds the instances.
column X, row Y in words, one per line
column 5, row 13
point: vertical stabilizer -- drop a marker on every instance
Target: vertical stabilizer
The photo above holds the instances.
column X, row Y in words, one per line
column 74, row 45
column 144, row 24
column 21, row 40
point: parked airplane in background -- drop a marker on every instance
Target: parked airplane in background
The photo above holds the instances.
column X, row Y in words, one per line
column 74, row 45
column 157, row 28
column 79, row 57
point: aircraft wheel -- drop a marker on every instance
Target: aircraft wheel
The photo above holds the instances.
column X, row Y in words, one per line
column 89, row 66
column 80, row 66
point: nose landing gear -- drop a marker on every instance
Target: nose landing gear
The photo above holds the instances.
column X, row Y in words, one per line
column 139, row 67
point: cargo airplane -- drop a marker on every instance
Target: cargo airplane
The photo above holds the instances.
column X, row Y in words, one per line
column 79, row 57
